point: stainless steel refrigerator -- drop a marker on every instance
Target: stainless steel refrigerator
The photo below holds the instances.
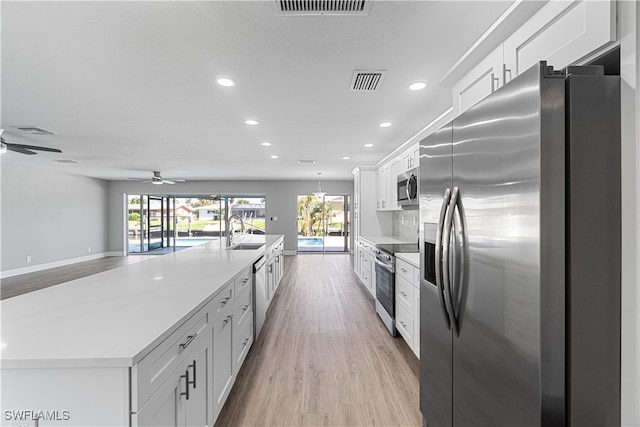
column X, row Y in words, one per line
column 520, row 256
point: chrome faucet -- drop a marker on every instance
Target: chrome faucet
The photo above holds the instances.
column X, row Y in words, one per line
column 229, row 230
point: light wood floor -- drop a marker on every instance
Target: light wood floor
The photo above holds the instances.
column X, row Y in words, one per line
column 25, row 283
column 324, row 357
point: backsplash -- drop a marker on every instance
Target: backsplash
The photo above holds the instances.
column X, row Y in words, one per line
column 405, row 224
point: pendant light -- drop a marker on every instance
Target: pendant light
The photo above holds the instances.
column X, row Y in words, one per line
column 319, row 194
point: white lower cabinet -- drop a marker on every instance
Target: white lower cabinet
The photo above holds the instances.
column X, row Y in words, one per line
column 187, row 378
column 365, row 265
column 222, row 361
column 408, row 304
column 182, row 400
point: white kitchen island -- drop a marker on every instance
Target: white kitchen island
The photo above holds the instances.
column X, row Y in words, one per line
column 157, row 342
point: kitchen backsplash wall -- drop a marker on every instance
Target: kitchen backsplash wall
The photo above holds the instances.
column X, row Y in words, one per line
column 405, row 224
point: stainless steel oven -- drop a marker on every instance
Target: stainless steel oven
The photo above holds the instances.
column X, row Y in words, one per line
column 386, row 281
column 386, row 289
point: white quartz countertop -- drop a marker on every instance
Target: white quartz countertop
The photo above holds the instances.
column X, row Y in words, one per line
column 412, row 258
column 116, row 317
column 389, row 240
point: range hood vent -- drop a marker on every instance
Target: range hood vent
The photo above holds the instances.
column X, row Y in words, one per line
column 322, row 7
column 366, row 81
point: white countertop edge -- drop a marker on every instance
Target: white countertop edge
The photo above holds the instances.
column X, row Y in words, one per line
column 119, row 362
column 412, row 258
column 388, row 240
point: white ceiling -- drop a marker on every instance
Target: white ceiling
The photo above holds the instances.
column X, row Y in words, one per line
column 128, row 87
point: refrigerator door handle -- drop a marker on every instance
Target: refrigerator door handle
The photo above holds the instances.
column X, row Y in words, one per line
column 446, row 247
column 458, row 283
column 439, row 264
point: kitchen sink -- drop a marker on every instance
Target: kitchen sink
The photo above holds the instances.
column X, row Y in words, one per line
column 245, row 247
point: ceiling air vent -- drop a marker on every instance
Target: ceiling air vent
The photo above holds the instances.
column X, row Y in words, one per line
column 322, row 7
column 366, row 81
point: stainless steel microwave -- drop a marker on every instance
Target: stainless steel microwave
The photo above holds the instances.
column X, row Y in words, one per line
column 407, row 189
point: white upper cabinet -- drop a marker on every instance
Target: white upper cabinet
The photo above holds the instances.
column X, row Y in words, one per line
column 410, row 159
column 386, row 177
column 480, row 82
column 562, row 33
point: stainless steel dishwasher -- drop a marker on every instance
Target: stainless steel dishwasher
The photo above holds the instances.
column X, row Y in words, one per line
column 259, row 295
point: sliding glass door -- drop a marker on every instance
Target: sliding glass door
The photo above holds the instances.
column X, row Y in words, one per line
column 323, row 223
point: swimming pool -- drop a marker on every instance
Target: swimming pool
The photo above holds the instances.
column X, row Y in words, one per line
column 310, row 241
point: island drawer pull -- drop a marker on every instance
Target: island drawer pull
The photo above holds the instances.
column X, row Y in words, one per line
column 188, row 341
column 187, row 382
column 194, row 374
column 226, row 320
column 225, row 301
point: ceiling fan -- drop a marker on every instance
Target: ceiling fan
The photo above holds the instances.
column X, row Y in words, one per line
column 157, row 179
column 21, row 148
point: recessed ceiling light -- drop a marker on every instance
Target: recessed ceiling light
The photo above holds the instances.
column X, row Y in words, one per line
column 225, row 81
column 274, row 157
column 385, row 124
column 265, row 144
column 251, row 122
column 368, row 145
column 306, row 162
column 417, row 86
column 346, row 158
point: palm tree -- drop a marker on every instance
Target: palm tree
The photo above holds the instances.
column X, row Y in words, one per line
column 311, row 213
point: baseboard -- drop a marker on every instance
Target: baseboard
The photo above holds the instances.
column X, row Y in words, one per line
column 61, row 263
column 289, row 253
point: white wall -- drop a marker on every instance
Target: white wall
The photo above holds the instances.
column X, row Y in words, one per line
column 50, row 216
column 629, row 20
column 281, row 198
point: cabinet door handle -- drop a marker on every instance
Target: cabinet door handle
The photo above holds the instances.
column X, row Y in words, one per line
column 188, row 341
column 226, row 320
column 194, row 374
column 225, row 301
column 246, row 341
column 494, row 82
column 245, row 280
column 505, row 70
column 186, row 383
column 246, row 306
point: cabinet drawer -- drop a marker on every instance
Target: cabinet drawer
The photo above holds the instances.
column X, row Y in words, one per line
column 243, row 282
column 157, row 366
column 243, row 339
column 404, row 294
column 404, row 324
column 223, row 300
column 243, row 308
column 406, row 270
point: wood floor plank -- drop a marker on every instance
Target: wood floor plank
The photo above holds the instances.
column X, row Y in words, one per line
column 324, row 358
column 30, row 282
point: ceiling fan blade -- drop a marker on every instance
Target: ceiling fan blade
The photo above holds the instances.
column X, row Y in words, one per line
column 20, row 150
column 146, row 181
column 13, row 147
column 165, row 181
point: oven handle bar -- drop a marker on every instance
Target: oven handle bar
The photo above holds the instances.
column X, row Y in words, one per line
column 384, row 265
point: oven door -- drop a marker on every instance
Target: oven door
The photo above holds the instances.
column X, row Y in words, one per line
column 385, row 288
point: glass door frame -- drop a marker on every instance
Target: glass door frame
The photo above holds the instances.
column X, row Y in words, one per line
column 324, row 227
